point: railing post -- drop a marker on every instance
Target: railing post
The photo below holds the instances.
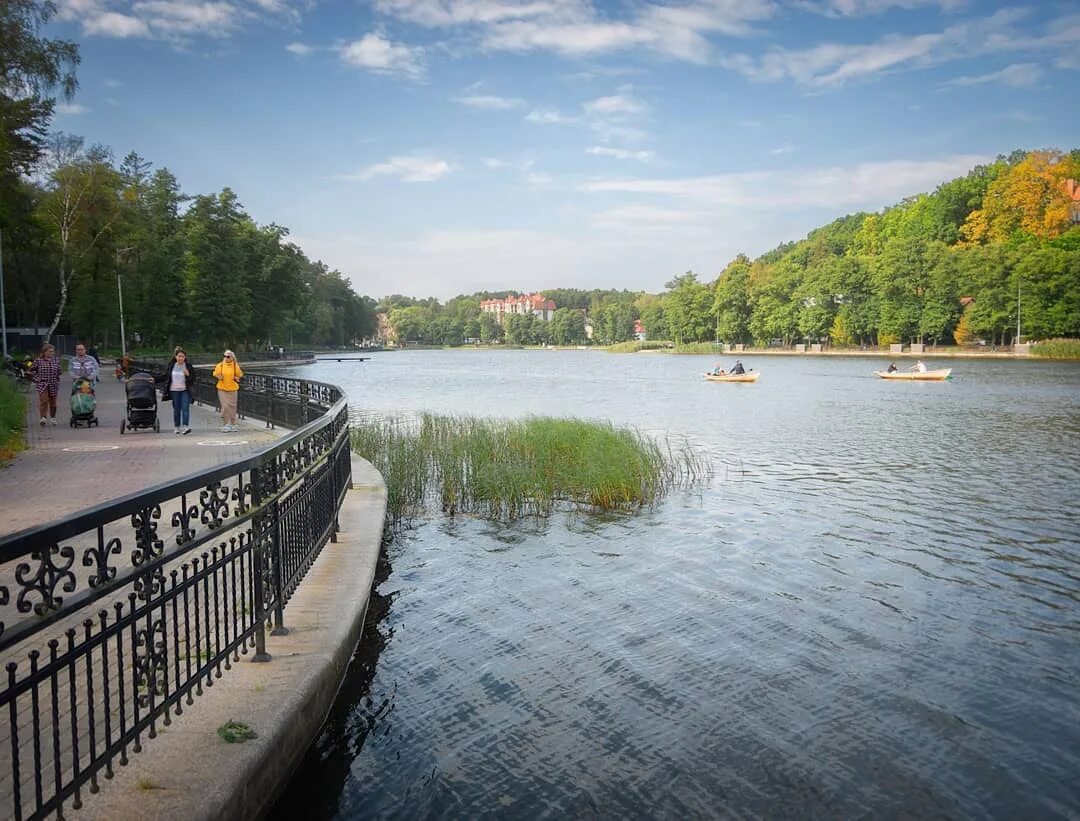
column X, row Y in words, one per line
column 269, row 390
column 261, row 533
column 304, row 393
column 279, row 599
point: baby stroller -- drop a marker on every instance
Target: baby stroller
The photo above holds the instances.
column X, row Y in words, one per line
column 141, row 403
column 83, row 403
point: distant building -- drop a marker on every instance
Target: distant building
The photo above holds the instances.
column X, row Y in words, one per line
column 639, row 331
column 1072, row 190
column 534, row 304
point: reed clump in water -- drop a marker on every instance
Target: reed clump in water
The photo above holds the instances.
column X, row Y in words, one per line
column 1057, row 349
column 502, row 469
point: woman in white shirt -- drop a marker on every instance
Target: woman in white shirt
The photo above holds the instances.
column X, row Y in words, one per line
column 179, row 378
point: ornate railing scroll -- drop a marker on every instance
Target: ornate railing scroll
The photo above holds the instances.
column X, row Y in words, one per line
column 114, row 620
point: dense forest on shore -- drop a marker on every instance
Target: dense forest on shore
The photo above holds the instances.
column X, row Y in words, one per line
column 193, row 268
column 951, row 266
column 940, row 268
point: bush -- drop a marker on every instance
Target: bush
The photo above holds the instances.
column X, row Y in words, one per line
column 12, row 417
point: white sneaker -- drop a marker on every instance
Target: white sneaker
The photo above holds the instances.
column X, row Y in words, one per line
column 233, row 428
column 53, row 420
column 176, row 431
column 42, row 421
column 186, row 430
column 224, row 428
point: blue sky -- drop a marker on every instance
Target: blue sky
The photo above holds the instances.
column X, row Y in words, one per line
column 438, row 147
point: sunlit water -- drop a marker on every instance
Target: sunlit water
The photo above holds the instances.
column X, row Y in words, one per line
column 872, row 611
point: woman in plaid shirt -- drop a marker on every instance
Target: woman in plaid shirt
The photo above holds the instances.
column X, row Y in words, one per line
column 47, row 381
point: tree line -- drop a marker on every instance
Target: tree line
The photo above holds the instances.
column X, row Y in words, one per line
column 81, row 231
column 955, row 265
column 951, row 266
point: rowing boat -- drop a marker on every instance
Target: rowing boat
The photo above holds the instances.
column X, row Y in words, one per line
column 752, row 376
column 920, row 376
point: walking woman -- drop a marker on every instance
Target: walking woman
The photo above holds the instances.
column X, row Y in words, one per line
column 179, row 378
column 47, row 382
column 227, row 372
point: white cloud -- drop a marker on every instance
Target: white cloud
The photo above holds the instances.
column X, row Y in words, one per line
column 375, row 53
column 578, row 28
column 280, row 8
column 71, row 109
column 410, row 168
column 833, row 64
column 178, row 17
column 548, row 116
column 1018, row 75
column 574, row 39
column 863, row 8
column 440, row 13
column 113, row 24
column 299, row 49
column 490, row 101
column 865, row 185
column 619, row 153
column 634, row 218
column 615, row 105
column 786, row 148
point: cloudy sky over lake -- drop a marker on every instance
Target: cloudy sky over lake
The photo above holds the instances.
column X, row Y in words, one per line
column 437, row 147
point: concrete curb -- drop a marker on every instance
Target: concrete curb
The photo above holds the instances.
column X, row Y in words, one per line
column 188, row 772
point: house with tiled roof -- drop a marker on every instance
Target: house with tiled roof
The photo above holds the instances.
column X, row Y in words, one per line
column 521, row 305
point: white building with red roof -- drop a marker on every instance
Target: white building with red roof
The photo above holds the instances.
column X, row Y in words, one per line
column 521, row 305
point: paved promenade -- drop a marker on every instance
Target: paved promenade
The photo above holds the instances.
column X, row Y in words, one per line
column 65, row 469
column 189, row 773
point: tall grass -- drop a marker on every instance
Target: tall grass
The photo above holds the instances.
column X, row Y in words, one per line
column 12, row 417
column 1057, row 349
column 700, row 347
column 506, row 470
column 635, row 345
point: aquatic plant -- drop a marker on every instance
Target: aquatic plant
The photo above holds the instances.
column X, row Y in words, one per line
column 507, row 469
column 1057, row 349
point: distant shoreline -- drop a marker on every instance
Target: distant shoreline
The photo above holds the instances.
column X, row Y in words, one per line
column 934, row 354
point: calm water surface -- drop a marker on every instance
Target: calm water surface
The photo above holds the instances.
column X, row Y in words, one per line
column 873, row 610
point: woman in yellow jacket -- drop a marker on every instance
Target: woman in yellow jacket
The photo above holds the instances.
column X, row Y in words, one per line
column 227, row 372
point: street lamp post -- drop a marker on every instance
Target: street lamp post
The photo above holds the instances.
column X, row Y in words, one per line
column 120, row 299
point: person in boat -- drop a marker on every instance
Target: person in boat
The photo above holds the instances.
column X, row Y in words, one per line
column 737, row 368
column 717, row 370
column 919, row 367
column 891, row 368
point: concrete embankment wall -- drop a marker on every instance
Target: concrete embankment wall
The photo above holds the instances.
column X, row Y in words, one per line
column 188, row 772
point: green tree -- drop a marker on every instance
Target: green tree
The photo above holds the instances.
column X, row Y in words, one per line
column 688, row 306
column 80, row 207
column 731, row 304
column 32, row 67
column 216, row 263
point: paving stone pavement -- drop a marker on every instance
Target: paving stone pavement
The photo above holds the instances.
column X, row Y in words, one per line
column 64, row 470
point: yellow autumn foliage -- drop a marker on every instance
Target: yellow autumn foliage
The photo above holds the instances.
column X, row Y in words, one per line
column 1030, row 197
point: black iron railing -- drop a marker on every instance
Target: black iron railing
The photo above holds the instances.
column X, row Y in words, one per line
column 112, row 621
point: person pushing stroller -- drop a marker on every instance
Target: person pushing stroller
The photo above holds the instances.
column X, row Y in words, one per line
column 84, row 366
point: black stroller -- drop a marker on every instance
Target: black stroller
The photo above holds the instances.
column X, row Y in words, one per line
column 141, row 403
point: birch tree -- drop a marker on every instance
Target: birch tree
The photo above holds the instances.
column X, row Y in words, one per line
column 80, row 207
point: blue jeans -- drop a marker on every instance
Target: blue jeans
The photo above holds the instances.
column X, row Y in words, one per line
column 181, row 409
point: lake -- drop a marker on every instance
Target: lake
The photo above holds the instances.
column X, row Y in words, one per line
column 873, row 609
